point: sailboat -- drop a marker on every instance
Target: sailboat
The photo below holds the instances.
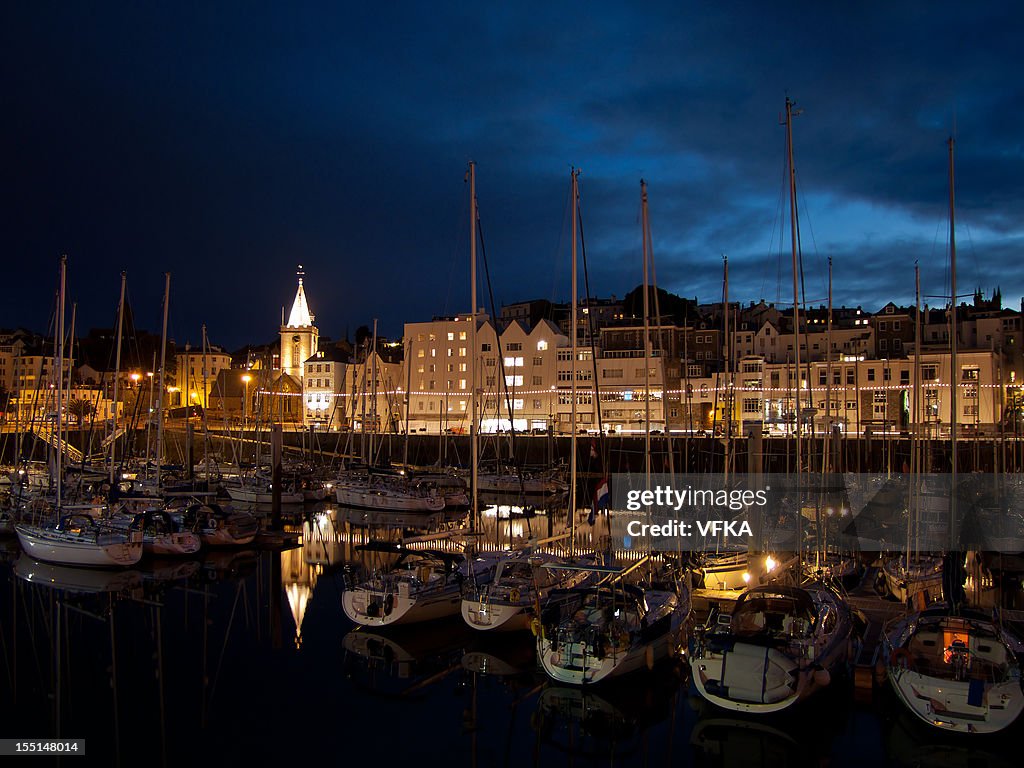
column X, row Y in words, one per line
column 161, row 534
column 76, row 538
column 258, row 489
column 385, row 491
column 524, row 582
column 79, row 539
column 514, row 482
column 215, row 526
column 779, row 645
column 956, row 669
column 422, row 585
column 614, row 627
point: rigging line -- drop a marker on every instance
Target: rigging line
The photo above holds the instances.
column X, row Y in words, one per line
column 810, row 226
column 503, row 383
column 780, row 220
column 601, row 441
column 661, row 351
column 555, row 272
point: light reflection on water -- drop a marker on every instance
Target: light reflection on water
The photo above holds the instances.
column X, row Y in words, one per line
column 247, row 658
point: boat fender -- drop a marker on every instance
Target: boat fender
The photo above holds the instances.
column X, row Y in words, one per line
column 389, row 603
column 900, row 657
column 537, row 628
column 649, row 657
column 514, row 595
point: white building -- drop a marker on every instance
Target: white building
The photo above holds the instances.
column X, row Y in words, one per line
column 516, row 375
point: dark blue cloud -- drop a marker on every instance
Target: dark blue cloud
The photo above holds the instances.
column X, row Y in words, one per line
column 227, row 143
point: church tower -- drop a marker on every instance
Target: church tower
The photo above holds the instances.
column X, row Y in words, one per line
column 300, row 339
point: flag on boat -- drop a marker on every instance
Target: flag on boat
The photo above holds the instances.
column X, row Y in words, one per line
column 602, row 498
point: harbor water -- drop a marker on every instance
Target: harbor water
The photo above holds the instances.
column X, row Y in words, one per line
column 246, row 658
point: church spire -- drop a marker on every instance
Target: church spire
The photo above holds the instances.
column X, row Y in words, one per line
column 300, row 316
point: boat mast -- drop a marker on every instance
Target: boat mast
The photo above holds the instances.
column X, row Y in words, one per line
column 915, row 455
column 727, row 392
column 117, row 376
column 163, row 388
column 796, row 324
column 572, row 334
column 60, row 377
column 373, row 396
column 826, row 455
column 206, row 403
column 796, row 291
column 647, row 336
column 954, row 370
column 408, row 385
column 474, row 436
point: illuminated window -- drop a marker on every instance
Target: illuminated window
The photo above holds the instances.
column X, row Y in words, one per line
column 542, row 345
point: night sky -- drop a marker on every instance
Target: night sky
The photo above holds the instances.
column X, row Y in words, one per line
column 228, row 142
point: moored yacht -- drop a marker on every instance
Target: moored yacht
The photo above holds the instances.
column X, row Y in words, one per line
column 523, row 583
column 161, row 534
column 79, row 539
column 958, row 671
column 779, row 645
column 422, row 585
column 612, row 629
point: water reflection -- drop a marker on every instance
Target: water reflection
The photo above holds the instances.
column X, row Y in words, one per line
column 406, row 660
column 244, row 656
column 613, row 723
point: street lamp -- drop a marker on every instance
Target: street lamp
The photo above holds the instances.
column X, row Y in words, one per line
column 246, row 378
column 135, row 385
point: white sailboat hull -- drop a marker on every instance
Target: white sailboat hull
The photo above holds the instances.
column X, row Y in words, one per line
column 947, row 703
column 374, row 608
column 387, row 501
column 174, row 544
column 511, row 484
column 574, row 664
column 494, row 616
column 758, row 680
column 51, row 547
column 252, row 496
